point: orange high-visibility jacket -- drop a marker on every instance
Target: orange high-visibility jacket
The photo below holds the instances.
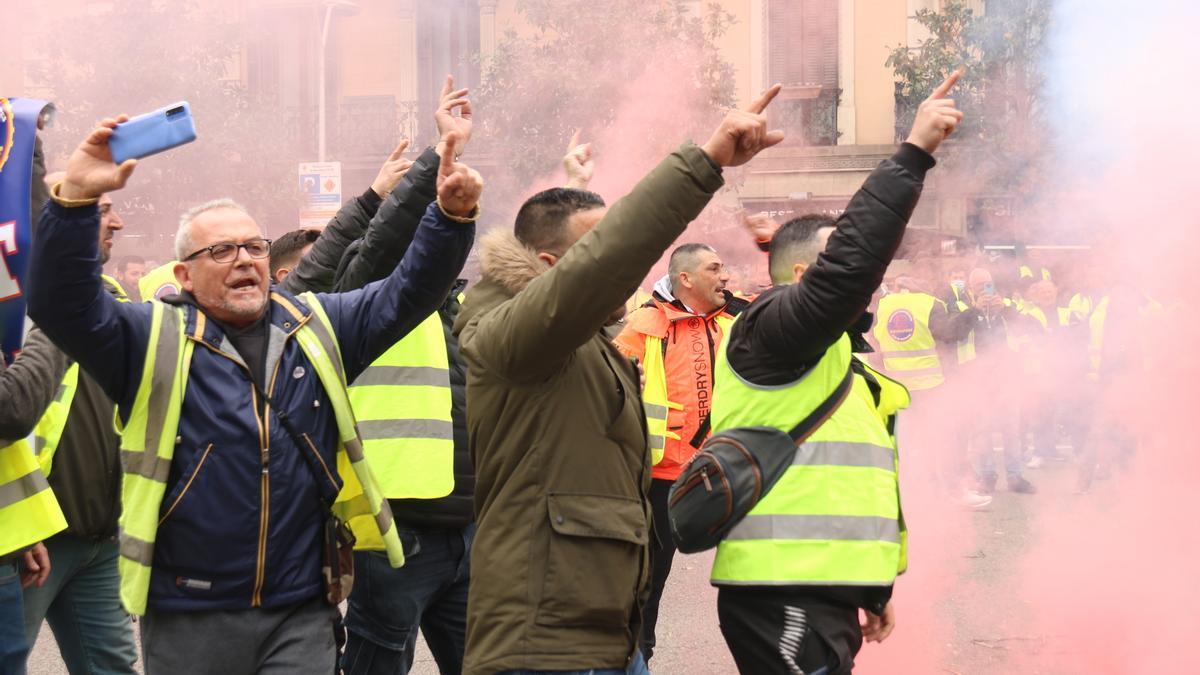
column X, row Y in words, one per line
column 689, row 345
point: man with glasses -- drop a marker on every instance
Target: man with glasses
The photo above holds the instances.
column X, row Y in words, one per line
column 238, row 436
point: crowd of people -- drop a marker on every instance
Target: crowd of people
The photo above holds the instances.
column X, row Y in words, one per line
column 233, row 444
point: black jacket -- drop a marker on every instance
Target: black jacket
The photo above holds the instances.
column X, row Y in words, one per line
column 316, row 269
column 379, row 250
column 787, row 329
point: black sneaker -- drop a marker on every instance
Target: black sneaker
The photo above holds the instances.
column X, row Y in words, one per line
column 1019, row 484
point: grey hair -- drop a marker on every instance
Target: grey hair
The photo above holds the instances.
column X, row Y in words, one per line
column 183, row 237
column 683, row 259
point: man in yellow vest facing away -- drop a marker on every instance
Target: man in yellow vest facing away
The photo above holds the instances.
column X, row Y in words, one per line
column 916, row 334
column 828, row 540
column 239, row 444
column 675, row 338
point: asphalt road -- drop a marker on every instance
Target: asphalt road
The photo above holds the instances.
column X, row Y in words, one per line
column 963, row 614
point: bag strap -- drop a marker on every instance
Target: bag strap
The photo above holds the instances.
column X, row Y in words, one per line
column 298, row 440
column 817, row 417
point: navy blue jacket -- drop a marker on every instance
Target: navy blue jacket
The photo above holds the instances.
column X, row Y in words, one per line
column 240, row 527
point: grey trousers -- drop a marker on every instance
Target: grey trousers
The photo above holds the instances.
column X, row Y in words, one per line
column 293, row 639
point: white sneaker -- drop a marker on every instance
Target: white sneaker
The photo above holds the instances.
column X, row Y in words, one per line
column 974, row 500
column 1035, row 462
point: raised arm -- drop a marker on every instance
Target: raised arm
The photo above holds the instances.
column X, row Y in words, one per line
column 531, row 336
column 317, row 270
column 393, row 228
column 371, row 319
column 789, row 328
column 67, row 300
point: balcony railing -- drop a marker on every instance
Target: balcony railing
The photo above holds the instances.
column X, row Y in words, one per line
column 361, row 127
column 370, row 126
column 807, row 115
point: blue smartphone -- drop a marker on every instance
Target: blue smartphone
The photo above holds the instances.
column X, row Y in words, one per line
column 154, row 132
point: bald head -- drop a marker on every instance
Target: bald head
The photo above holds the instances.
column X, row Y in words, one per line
column 979, row 280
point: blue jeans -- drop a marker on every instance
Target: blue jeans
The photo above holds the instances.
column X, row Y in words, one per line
column 13, row 647
column 81, row 602
column 389, row 606
column 638, row 667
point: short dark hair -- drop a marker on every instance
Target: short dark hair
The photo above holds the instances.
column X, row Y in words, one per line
column 796, row 242
column 285, row 251
column 125, row 261
column 543, row 217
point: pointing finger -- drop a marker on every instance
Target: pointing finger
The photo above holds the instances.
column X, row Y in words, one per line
column 767, row 96
column 399, row 151
column 446, row 167
column 447, row 86
column 574, row 143
column 944, row 87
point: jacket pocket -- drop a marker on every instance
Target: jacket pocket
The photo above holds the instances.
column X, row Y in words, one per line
column 184, row 484
column 594, row 566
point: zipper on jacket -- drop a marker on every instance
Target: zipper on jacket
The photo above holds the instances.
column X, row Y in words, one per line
column 187, row 485
column 265, row 481
column 264, row 432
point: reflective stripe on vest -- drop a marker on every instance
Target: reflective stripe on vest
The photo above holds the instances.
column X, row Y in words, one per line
column 906, row 344
column 402, row 403
column 833, row 518
column 49, row 429
column 28, row 510
column 148, row 441
column 654, row 400
column 654, row 397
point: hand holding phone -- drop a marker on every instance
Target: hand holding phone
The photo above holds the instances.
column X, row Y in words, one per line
column 154, row 132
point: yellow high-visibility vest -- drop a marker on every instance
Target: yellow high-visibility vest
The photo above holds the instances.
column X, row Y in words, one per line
column 1080, row 307
column 906, row 344
column 402, row 403
column 834, row 517
column 1026, row 272
column 29, row 512
column 50, row 427
column 147, row 446
column 158, row 282
column 655, row 402
column 966, row 347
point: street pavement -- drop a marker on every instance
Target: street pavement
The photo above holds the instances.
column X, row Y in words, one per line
column 978, row 615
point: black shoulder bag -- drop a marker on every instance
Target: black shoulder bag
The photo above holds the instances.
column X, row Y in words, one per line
column 732, row 472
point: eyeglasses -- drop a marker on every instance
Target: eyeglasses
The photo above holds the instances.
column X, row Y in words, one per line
column 228, row 251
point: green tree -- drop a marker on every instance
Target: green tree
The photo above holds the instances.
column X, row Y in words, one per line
column 138, row 56
column 574, row 68
column 1000, row 92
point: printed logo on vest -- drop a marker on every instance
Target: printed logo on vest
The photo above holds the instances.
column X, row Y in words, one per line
column 165, row 290
column 901, row 325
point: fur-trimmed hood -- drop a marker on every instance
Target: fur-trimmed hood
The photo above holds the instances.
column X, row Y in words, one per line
column 506, row 261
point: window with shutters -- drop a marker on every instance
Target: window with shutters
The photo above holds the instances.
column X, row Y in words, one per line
column 802, row 54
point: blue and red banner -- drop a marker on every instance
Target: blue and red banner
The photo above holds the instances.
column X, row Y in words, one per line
column 18, row 127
